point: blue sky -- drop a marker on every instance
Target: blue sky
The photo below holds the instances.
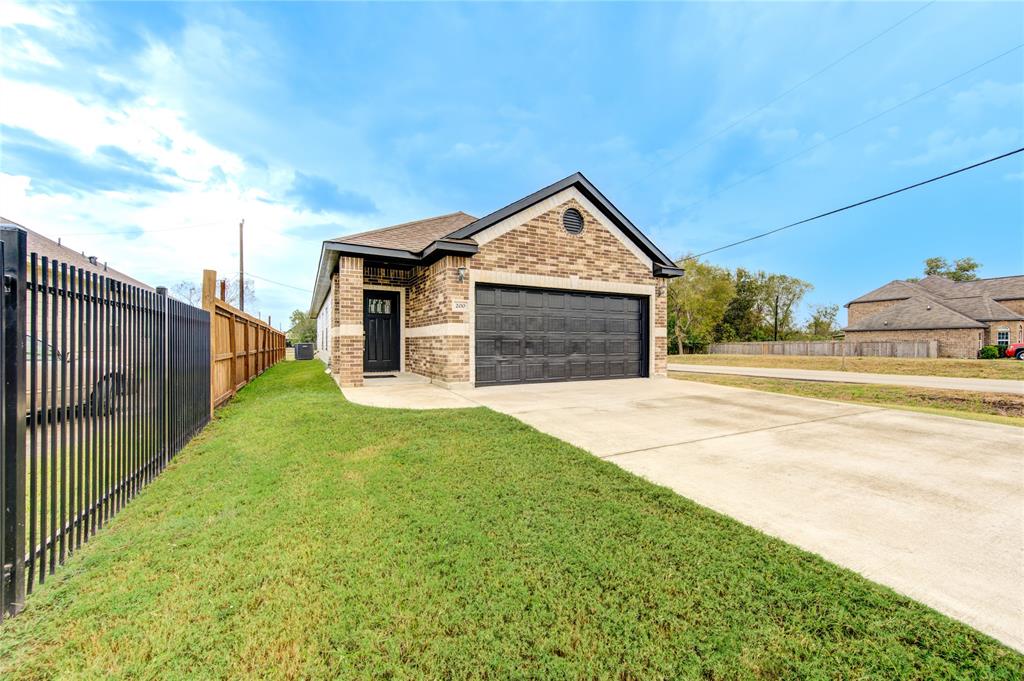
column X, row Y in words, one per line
column 144, row 132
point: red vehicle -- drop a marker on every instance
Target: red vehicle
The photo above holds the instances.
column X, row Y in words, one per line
column 1015, row 350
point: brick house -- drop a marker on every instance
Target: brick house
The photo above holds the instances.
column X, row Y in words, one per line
column 556, row 286
column 961, row 316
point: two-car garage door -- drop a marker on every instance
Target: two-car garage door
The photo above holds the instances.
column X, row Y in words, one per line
column 526, row 335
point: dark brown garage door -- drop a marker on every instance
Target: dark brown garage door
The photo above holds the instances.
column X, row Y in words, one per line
column 526, row 335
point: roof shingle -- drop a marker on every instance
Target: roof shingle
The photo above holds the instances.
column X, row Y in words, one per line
column 409, row 236
column 917, row 313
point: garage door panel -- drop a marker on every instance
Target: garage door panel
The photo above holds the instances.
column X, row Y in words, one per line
column 510, row 297
column 511, row 322
column 534, row 371
column 486, row 348
column 486, row 322
column 535, row 347
column 536, row 335
column 535, row 299
column 486, row 296
column 511, row 347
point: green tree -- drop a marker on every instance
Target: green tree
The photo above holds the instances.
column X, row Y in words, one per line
column 740, row 322
column 822, row 322
column 962, row 269
column 780, row 295
column 696, row 302
column 303, row 328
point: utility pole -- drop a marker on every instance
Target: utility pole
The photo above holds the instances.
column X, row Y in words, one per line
column 241, row 266
column 776, row 337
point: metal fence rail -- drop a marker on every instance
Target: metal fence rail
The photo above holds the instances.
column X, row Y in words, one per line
column 104, row 382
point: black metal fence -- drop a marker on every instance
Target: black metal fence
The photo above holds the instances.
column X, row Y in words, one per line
column 103, row 383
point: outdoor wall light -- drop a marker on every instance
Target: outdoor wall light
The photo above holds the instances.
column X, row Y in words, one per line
column 462, row 274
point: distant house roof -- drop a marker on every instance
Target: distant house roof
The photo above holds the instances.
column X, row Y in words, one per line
column 48, row 248
column 996, row 288
column 917, row 312
column 894, row 290
column 940, row 303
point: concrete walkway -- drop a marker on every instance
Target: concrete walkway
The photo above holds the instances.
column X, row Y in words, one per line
column 930, row 506
column 984, row 385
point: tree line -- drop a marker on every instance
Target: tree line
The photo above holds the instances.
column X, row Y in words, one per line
column 712, row 304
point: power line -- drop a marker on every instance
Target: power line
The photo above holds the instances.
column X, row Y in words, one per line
column 855, row 205
column 850, row 129
column 277, row 283
column 767, row 104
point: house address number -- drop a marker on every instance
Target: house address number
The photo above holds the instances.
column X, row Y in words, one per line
column 460, row 305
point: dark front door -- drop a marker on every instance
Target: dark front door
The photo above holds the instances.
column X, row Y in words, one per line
column 533, row 335
column 380, row 324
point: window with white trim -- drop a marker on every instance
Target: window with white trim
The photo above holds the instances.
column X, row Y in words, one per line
column 1003, row 336
column 1020, row 333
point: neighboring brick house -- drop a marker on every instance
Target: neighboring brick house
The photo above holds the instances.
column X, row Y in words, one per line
column 557, row 286
column 962, row 316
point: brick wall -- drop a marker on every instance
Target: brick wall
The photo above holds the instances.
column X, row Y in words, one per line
column 857, row 311
column 433, row 347
column 1017, row 305
column 347, row 322
column 956, row 343
column 432, row 290
column 542, row 247
column 443, row 358
column 993, row 331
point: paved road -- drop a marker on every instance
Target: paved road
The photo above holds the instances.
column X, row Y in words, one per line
column 929, row 505
column 985, row 385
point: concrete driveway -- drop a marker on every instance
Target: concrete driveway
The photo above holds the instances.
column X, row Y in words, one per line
column 928, row 505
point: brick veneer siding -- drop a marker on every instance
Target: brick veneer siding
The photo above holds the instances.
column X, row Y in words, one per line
column 347, row 322
column 955, row 343
column 993, row 331
column 442, row 358
column 437, row 337
column 542, row 247
column 1017, row 305
column 857, row 311
column 432, row 290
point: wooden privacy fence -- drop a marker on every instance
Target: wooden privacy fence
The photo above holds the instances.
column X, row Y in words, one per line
column 830, row 348
column 242, row 346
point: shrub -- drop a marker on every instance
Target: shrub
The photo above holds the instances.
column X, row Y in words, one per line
column 990, row 352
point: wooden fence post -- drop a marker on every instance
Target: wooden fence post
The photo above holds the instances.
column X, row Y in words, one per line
column 209, row 295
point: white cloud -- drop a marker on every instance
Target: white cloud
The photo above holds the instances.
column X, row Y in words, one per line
column 184, row 231
column 949, row 145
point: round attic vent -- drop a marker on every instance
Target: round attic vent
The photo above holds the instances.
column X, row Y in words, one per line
column 572, row 221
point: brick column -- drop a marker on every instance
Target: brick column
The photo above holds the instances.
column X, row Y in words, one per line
column 659, row 364
column 347, row 323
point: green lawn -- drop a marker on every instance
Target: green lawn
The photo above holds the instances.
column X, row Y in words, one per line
column 301, row 536
column 957, row 368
